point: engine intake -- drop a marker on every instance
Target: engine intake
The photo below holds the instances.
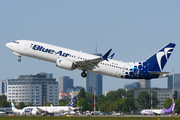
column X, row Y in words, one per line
column 65, row 64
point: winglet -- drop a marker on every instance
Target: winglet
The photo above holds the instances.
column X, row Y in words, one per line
column 110, row 57
column 106, row 55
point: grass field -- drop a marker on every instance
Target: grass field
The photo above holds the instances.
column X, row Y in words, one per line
column 83, row 118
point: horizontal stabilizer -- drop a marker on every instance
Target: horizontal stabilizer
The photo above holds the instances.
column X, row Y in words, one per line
column 158, row 73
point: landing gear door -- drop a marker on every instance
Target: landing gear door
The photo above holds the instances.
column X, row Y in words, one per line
column 26, row 45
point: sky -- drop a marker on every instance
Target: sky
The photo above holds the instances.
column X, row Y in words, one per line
column 134, row 29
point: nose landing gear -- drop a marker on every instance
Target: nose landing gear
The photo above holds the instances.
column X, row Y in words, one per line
column 83, row 74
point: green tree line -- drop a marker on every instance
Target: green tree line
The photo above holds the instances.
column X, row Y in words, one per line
column 119, row 100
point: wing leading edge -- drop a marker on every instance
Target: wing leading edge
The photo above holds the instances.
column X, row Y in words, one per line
column 93, row 63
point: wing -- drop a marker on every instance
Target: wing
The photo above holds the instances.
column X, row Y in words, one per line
column 156, row 112
column 40, row 110
column 88, row 64
column 92, row 63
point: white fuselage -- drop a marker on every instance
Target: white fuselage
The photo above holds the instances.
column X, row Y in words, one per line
column 55, row 109
column 41, row 109
column 111, row 68
column 149, row 111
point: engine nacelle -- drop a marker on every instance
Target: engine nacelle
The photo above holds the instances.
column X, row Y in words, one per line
column 65, row 64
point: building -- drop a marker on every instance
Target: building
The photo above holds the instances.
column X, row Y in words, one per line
column 132, row 86
column 64, row 95
column 22, row 89
column 3, row 87
column 162, row 94
column 145, row 83
column 74, row 88
column 176, row 81
column 65, row 82
column 74, row 93
column 106, row 92
column 93, row 81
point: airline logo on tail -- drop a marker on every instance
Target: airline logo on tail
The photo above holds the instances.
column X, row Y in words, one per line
column 71, row 103
column 164, row 53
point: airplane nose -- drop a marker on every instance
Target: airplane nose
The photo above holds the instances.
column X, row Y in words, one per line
column 8, row 45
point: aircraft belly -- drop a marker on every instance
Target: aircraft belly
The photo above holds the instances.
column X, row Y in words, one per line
column 41, row 56
column 107, row 71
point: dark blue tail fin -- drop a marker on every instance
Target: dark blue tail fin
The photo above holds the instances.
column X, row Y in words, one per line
column 71, row 103
column 158, row 60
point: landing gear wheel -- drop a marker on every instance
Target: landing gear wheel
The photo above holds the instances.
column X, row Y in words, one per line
column 19, row 60
column 83, row 74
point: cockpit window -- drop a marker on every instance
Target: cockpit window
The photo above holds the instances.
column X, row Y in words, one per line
column 16, row 42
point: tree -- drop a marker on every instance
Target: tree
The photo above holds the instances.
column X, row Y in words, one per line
column 155, row 100
column 120, row 93
column 5, row 103
column 143, row 99
column 63, row 102
column 91, row 106
column 110, row 97
column 104, row 106
column 29, row 104
column 2, row 98
column 129, row 104
column 130, row 93
column 101, row 99
column 82, row 94
column 167, row 103
column 48, row 104
column 89, row 97
column 21, row 105
column 83, row 103
column 120, row 104
column 177, row 106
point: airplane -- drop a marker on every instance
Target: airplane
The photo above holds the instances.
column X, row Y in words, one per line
column 158, row 111
column 19, row 111
column 68, row 59
column 3, row 112
column 42, row 109
column 57, row 109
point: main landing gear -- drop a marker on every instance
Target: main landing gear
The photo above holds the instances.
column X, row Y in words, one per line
column 83, row 74
column 19, row 60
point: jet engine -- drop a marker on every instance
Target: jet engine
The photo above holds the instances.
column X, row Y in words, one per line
column 65, row 64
